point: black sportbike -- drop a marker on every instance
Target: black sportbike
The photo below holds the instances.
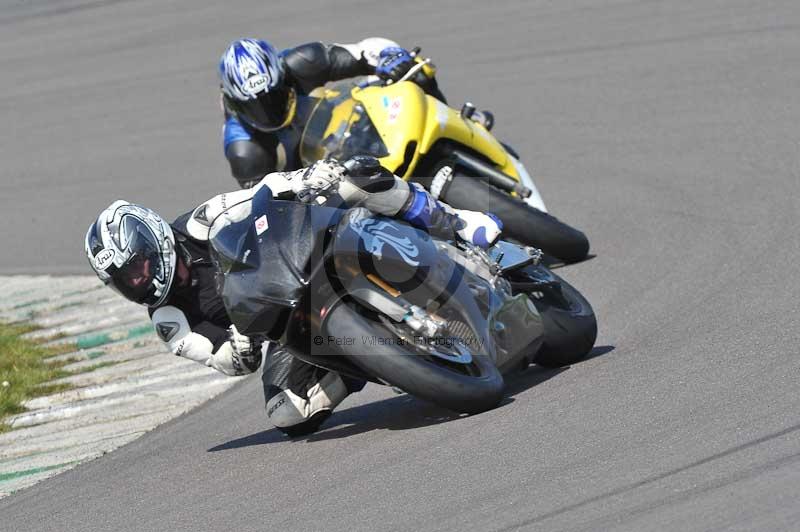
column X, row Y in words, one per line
column 374, row 298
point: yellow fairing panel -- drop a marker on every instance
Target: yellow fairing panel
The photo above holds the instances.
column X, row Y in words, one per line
column 398, row 112
column 404, row 117
column 403, row 113
column 444, row 122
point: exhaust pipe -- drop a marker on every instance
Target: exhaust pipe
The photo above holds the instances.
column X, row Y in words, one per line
column 491, row 175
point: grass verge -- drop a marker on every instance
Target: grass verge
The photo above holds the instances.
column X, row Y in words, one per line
column 23, row 371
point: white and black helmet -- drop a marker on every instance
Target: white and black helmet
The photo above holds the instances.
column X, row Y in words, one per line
column 132, row 250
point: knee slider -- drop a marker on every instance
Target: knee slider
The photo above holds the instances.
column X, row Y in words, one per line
column 287, row 409
column 248, row 160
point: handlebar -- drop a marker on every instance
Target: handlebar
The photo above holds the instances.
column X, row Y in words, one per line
column 411, row 71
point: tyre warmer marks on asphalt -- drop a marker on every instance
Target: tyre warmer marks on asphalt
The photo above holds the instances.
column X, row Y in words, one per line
column 137, row 385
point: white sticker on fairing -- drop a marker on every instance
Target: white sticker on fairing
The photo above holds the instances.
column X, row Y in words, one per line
column 104, row 259
column 442, row 115
column 395, row 107
column 262, row 224
column 255, row 84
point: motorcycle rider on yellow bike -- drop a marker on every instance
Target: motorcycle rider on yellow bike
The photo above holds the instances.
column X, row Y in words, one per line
column 265, row 95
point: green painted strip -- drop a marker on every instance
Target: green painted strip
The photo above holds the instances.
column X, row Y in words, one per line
column 82, row 291
column 91, row 355
column 7, row 461
column 18, row 293
column 30, row 303
column 5, row 477
column 68, row 305
column 141, row 330
column 95, row 340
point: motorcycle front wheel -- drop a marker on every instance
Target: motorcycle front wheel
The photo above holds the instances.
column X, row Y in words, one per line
column 523, row 223
column 383, row 350
column 570, row 325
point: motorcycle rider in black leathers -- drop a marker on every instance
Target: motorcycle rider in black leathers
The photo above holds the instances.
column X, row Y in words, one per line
column 167, row 268
column 266, row 102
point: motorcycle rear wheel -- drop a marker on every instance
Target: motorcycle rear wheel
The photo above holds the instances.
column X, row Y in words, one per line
column 464, row 388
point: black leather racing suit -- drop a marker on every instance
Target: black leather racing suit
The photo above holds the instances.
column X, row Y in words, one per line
column 194, row 324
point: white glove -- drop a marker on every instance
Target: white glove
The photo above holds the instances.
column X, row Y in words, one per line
column 318, row 179
column 240, row 344
column 238, row 356
column 481, row 229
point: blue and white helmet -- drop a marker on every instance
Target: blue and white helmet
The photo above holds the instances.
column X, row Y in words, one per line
column 254, row 85
column 132, row 250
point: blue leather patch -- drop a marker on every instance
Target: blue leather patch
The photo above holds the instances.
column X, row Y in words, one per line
column 419, row 213
column 479, row 238
column 233, row 131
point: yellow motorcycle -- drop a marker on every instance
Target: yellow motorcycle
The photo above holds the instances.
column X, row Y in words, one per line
column 457, row 159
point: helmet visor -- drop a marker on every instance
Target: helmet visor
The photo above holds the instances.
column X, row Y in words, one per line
column 267, row 112
column 136, row 278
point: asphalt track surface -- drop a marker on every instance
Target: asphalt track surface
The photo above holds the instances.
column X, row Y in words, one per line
column 668, row 130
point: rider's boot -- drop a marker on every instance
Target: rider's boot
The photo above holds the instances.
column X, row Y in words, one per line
column 300, row 397
column 368, row 184
column 422, row 210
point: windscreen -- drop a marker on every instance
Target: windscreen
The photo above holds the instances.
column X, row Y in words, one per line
column 231, row 239
column 340, row 127
column 263, row 251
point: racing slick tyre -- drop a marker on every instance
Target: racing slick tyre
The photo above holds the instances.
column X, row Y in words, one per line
column 570, row 326
column 465, row 388
column 523, row 223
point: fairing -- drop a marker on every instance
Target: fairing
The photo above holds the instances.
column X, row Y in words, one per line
column 408, row 124
column 282, row 265
column 264, row 260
